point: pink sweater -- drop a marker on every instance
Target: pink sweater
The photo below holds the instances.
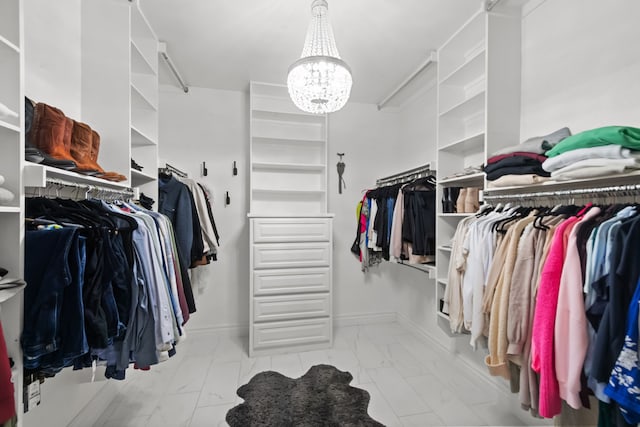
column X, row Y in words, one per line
column 571, row 339
column 542, row 355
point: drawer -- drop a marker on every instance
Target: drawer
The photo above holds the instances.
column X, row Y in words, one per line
column 291, row 333
column 273, row 230
column 283, row 255
column 289, row 307
column 291, row 281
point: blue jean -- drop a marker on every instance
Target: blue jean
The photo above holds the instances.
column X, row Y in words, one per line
column 53, row 271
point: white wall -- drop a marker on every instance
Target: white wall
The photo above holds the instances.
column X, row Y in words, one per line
column 580, row 65
column 52, row 60
column 213, row 126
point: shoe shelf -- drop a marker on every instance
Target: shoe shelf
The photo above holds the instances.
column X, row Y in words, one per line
column 36, row 175
column 9, row 209
column 471, row 180
column 455, row 215
column 468, row 144
column 7, row 125
column 140, row 138
column 8, row 293
column 139, row 178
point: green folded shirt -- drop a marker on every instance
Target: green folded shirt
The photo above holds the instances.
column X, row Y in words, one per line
column 625, row 136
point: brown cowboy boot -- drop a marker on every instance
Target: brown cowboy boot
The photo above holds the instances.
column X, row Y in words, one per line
column 81, row 148
column 51, row 132
column 95, row 148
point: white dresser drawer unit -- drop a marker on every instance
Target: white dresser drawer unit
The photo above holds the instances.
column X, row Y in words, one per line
column 274, row 230
column 289, row 307
column 291, row 334
column 283, row 255
column 291, row 281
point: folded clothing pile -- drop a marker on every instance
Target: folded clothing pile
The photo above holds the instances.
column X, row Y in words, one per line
column 521, row 164
column 55, row 140
column 597, row 152
column 6, row 196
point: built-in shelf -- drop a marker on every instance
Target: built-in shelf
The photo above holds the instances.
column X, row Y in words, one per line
column 469, row 144
column 598, row 181
column 284, row 140
column 287, row 166
column 444, row 248
column 427, row 268
column 288, row 117
column 467, row 107
column 139, row 178
column 139, row 100
column 7, row 125
column 139, row 63
column 443, row 280
column 35, row 175
column 9, row 44
column 139, row 138
column 455, row 215
column 285, row 192
column 464, row 180
column 8, row 293
column 442, row 315
column 9, row 209
column 472, row 68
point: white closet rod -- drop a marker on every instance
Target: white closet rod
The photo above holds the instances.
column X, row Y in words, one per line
column 621, row 190
column 405, row 176
column 126, row 193
column 431, row 60
column 162, row 50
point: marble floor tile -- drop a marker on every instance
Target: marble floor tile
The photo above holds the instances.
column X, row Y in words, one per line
column 190, row 375
column 368, row 354
column 402, row 360
column 444, row 402
column 288, row 365
column 495, row 415
column 402, row 398
column 220, row 384
column 174, row 410
column 422, row 420
column 379, row 408
column 230, row 349
column 311, row 358
column 346, row 360
column 136, row 421
column 210, row 416
column 199, row 344
column 251, row 366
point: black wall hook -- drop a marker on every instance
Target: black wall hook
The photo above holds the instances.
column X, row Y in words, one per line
column 205, row 171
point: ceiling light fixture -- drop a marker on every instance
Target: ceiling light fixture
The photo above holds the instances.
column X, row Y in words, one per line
column 319, row 82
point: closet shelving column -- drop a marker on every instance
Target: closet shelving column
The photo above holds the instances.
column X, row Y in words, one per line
column 290, row 229
column 478, row 111
column 144, row 102
column 11, row 161
column 120, row 89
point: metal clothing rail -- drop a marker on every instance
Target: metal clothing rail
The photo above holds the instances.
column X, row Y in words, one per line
column 168, row 168
column 162, row 50
column 406, row 176
column 124, row 193
column 616, row 190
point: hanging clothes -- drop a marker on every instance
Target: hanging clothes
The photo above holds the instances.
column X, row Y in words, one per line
column 103, row 284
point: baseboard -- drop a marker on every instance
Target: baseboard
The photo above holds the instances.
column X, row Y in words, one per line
column 363, row 319
column 90, row 414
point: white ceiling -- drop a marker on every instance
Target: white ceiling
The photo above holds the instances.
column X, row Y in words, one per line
column 223, row 44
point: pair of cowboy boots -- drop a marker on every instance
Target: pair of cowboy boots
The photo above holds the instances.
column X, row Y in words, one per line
column 65, row 139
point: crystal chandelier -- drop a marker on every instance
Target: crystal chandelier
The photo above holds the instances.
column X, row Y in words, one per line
column 319, row 82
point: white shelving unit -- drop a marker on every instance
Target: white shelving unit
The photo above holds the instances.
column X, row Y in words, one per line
column 478, row 112
column 290, row 230
column 125, row 111
column 11, row 161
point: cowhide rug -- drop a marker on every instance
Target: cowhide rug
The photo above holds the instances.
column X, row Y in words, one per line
column 321, row 397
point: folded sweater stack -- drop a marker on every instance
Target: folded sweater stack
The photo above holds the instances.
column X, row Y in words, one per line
column 521, row 164
column 597, row 152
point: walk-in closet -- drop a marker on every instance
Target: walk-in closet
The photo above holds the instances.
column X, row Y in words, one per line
column 320, row 213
